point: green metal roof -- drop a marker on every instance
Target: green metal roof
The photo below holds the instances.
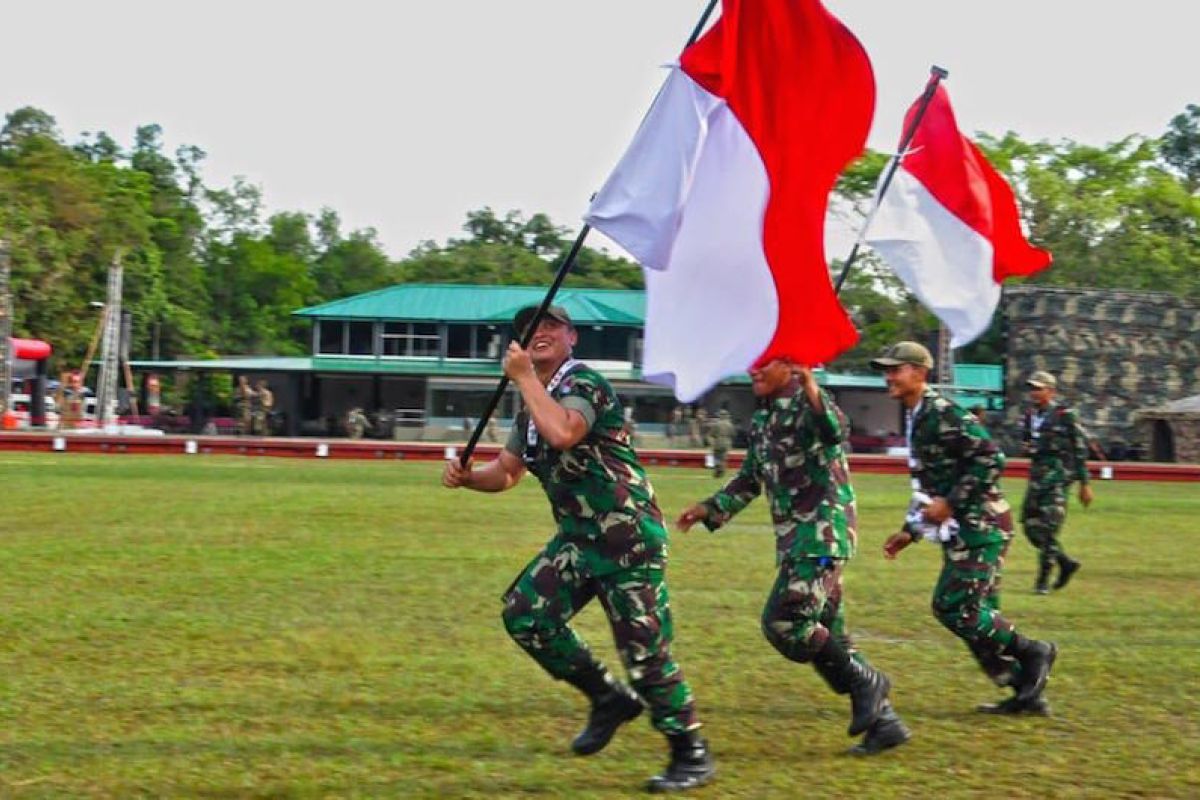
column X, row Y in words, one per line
column 233, row 364
column 420, row 302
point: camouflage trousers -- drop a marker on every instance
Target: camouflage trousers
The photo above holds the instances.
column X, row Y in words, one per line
column 555, row 586
column 805, row 608
column 258, row 423
column 1042, row 516
column 966, row 600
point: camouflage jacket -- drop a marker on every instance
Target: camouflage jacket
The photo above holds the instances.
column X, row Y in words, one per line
column 1058, row 447
column 598, row 491
column 952, row 456
column 796, row 454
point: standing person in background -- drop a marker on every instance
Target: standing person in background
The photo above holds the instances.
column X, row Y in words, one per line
column 264, row 405
column 957, row 502
column 721, row 433
column 1057, row 446
column 243, row 405
column 153, row 395
column 61, row 398
column 609, row 542
column 675, row 425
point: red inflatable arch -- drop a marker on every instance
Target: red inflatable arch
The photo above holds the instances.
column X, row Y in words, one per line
column 30, row 349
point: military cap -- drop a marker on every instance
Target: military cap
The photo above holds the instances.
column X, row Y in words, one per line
column 1042, row 380
column 904, row 353
column 522, row 317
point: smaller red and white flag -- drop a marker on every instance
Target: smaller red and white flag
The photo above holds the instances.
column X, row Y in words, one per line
column 948, row 225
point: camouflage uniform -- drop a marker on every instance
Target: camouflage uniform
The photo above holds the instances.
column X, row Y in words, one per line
column 954, row 457
column 610, row 543
column 357, row 423
column 243, row 403
column 263, row 404
column 721, row 434
column 1058, row 451
column 796, row 454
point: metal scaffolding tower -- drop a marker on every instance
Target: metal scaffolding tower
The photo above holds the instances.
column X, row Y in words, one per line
column 110, row 349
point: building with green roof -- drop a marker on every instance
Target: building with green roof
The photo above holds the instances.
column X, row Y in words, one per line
column 429, row 355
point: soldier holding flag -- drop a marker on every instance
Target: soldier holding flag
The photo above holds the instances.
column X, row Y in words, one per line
column 610, row 543
column 796, row 455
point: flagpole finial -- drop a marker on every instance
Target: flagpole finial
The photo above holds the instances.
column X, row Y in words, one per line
column 941, row 73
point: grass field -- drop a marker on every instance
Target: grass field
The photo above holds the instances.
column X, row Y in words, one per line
column 213, row 627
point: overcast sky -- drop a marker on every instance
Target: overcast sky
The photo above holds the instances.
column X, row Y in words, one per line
column 403, row 115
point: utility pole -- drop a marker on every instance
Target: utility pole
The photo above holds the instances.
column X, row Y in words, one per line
column 110, row 348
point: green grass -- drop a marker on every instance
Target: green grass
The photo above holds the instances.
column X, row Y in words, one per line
column 212, row 627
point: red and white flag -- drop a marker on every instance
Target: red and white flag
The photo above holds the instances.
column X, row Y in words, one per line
column 722, row 194
column 949, row 227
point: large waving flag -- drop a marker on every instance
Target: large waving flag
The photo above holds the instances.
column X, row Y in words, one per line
column 722, row 194
column 949, row 227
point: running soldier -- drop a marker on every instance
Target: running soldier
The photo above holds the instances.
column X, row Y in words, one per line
column 796, row 454
column 610, row 543
column 1057, row 446
column 957, row 501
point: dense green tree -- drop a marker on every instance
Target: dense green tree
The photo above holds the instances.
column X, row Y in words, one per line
column 1180, row 146
column 207, row 271
column 518, row 251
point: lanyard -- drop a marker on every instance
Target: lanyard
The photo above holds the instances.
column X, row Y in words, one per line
column 1036, row 421
column 909, row 418
column 531, row 434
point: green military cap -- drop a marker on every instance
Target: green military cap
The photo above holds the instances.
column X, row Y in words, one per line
column 904, row 353
column 522, row 317
column 1042, row 380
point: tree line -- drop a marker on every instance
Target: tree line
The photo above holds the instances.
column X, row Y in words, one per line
column 207, row 272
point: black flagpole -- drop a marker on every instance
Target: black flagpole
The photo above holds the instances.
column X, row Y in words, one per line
column 559, row 277
column 936, row 74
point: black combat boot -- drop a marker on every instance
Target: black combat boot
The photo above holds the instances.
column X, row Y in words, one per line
column 1038, row 706
column 691, row 764
column 1036, row 659
column 613, row 704
column 1042, row 586
column 1066, row 568
column 888, row 731
column 868, row 687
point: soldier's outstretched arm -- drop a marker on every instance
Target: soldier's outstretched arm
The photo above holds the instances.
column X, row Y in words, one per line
column 897, row 542
column 698, row 512
column 498, row 475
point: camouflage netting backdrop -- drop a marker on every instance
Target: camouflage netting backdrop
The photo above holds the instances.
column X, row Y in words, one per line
column 1113, row 352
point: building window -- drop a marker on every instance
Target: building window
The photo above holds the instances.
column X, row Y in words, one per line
column 425, row 340
column 411, row 339
column 459, row 341
column 603, row 343
column 361, row 338
column 332, row 338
